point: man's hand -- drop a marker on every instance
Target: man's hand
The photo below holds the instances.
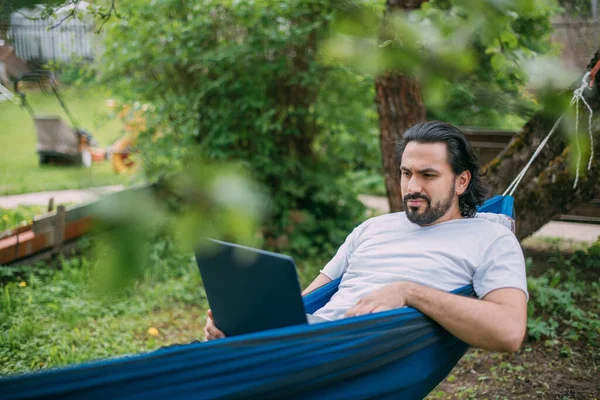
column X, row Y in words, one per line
column 211, row 331
column 389, row 297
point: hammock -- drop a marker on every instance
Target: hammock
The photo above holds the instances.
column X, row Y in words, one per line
column 394, row 354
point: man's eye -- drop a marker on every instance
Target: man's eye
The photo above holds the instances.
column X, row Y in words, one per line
column 404, row 173
column 429, row 175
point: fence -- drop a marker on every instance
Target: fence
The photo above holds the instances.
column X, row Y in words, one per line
column 37, row 40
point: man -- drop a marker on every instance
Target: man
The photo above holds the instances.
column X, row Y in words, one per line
column 413, row 258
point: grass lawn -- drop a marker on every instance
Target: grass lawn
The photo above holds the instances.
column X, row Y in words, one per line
column 52, row 318
column 20, row 171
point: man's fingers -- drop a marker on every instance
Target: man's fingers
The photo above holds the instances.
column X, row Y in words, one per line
column 358, row 307
column 354, row 310
column 359, row 310
column 364, row 307
column 211, row 332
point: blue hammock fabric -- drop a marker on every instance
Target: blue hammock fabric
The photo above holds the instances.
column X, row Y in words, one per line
column 394, row 354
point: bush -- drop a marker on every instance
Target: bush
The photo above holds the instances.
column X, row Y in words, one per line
column 589, row 259
column 563, row 305
column 240, row 82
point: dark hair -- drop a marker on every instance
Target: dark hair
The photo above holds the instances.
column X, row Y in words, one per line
column 460, row 156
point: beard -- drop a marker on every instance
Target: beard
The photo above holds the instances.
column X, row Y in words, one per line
column 431, row 213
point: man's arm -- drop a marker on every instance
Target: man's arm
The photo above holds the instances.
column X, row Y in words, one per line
column 319, row 281
column 497, row 322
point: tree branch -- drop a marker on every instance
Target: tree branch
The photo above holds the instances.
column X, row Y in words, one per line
column 104, row 17
column 71, row 14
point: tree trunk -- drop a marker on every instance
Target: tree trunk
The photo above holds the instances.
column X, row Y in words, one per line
column 400, row 106
column 546, row 191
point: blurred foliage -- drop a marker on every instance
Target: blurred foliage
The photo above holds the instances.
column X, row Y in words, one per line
column 577, row 8
column 9, row 6
column 207, row 201
column 469, row 55
column 242, row 81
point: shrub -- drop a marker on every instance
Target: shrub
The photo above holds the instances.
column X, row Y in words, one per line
column 563, row 305
column 240, row 82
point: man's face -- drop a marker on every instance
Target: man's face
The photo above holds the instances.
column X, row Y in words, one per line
column 428, row 183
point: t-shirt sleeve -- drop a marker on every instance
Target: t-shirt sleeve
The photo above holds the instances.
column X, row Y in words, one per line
column 339, row 263
column 503, row 267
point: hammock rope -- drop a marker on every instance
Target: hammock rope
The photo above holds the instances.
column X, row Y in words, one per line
column 577, row 97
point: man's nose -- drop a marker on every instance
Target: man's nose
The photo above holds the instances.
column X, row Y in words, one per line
column 414, row 185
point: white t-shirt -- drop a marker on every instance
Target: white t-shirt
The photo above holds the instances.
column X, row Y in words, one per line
column 445, row 256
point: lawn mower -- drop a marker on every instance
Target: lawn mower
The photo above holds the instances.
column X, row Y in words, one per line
column 58, row 143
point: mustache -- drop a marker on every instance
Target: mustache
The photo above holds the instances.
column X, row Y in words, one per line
column 416, row 196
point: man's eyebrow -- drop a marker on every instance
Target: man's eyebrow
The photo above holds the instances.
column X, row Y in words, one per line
column 422, row 171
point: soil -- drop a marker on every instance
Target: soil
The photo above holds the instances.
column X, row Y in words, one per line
column 540, row 370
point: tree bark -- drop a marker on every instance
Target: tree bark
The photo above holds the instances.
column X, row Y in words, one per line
column 400, row 106
column 546, row 191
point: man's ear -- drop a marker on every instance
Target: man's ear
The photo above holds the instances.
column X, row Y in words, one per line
column 462, row 182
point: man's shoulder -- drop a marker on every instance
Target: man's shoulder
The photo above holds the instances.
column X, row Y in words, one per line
column 491, row 231
column 481, row 231
column 495, row 227
column 497, row 220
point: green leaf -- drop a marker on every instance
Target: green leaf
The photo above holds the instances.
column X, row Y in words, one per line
column 498, row 61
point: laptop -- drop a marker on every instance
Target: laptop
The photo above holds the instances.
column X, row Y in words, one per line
column 250, row 290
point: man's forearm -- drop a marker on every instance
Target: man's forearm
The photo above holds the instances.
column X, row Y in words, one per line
column 319, row 281
column 479, row 323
